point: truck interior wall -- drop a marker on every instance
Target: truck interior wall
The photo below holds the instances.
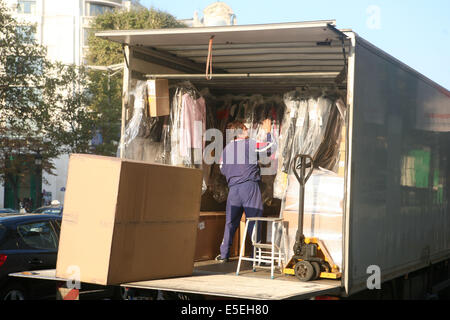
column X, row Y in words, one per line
column 399, row 215
column 219, row 89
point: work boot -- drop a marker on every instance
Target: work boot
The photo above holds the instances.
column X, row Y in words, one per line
column 221, row 260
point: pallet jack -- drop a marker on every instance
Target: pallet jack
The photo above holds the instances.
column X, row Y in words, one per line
column 311, row 259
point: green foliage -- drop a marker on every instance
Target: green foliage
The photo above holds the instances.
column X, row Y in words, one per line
column 106, row 87
column 24, row 119
column 106, row 101
column 42, row 104
column 104, row 52
column 74, row 121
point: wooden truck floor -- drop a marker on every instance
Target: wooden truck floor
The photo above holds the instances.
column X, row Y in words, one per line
column 211, row 278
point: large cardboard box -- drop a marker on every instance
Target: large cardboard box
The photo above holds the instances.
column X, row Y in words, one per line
column 325, row 226
column 127, row 220
column 158, row 97
column 323, row 211
column 210, row 230
column 324, row 193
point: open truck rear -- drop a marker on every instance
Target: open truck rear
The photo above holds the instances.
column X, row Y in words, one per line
column 396, row 220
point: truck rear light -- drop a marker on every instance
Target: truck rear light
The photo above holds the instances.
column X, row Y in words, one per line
column 2, row 259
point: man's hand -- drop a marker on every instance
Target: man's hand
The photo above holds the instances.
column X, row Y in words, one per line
column 267, row 125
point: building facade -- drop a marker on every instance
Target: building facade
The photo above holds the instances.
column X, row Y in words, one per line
column 216, row 14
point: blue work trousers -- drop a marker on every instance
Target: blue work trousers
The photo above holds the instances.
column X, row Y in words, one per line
column 244, row 197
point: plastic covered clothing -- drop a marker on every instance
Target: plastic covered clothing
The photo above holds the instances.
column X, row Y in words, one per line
column 311, row 125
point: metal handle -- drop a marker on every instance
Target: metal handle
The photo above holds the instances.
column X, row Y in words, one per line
column 35, row 261
column 302, row 179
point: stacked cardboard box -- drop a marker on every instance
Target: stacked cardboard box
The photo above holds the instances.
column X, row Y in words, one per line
column 158, row 97
column 323, row 211
column 210, row 230
column 342, row 150
column 128, row 221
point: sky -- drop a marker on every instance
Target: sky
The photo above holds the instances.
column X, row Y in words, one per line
column 414, row 31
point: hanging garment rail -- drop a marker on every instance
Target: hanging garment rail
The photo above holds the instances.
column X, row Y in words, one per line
column 315, row 75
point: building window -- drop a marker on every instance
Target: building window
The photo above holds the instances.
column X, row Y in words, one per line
column 94, row 9
column 26, row 7
column 86, row 36
column 26, row 33
column 21, row 65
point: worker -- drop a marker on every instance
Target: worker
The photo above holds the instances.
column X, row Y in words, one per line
column 239, row 165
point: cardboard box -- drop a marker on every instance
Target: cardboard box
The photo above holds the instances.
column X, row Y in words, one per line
column 342, row 150
column 315, row 224
column 210, row 230
column 127, row 221
column 326, row 227
column 324, row 193
column 158, row 97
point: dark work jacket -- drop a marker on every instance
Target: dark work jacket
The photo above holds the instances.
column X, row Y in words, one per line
column 239, row 161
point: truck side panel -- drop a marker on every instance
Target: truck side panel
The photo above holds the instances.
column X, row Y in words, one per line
column 399, row 218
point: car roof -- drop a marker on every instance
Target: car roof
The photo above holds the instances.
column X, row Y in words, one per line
column 51, row 206
column 23, row 217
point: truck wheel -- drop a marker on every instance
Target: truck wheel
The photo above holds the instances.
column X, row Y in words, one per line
column 304, row 271
column 317, row 270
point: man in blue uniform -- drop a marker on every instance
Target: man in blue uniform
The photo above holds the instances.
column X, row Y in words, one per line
column 239, row 164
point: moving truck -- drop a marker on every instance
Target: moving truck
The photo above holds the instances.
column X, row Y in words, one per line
column 395, row 165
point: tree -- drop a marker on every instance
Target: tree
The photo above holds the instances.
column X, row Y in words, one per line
column 24, row 123
column 106, row 93
column 104, row 52
column 107, row 86
column 42, row 105
column 73, row 120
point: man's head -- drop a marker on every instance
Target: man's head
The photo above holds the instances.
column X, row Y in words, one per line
column 237, row 130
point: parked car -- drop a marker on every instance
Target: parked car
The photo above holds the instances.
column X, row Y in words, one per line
column 57, row 210
column 30, row 242
column 27, row 242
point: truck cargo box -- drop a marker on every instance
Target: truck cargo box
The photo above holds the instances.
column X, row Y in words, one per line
column 394, row 159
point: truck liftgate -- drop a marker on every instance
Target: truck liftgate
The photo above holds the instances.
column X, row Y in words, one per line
column 216, row 280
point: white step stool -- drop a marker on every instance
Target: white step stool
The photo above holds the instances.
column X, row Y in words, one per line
column 265, row 252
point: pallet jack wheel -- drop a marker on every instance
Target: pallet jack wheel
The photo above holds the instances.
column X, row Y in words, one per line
column 304, row 271
column 317, row 270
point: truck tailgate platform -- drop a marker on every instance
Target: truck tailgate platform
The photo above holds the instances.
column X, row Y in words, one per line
column 215, row 279
column 211, row 278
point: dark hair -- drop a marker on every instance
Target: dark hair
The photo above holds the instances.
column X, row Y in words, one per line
column 235, row 128
column 236, row 125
